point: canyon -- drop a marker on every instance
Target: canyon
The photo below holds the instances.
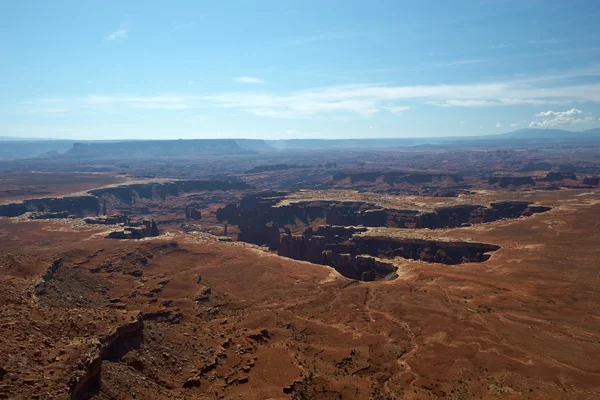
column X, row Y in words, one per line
column 299, row 274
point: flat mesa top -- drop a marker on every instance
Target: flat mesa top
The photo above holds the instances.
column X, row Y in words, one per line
column 423, row 203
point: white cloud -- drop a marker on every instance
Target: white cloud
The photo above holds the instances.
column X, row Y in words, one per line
column 462, row 122
column 560, row 114
column 498, row 125
column 120, row 33
column 513, row 125
column 552, row 119
column 248, row 79
column 397, row 109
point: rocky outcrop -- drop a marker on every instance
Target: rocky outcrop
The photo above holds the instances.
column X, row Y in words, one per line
column 456, row 216
column 131, row 194
column 267, row 234
column 316, row 249
column 353, row 255
column 73, row 205
column 85, row 381
column 107, row 220
column 259, row 216
column 507, row 181
column 399, row 177
column 360, row 267
column 423, row 250
column 591, row 180
column 51, row 215
column 39, row 287
column 136, row 230
column 558, row 176
column 195, row 214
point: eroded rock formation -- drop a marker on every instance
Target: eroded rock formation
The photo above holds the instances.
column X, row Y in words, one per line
column 130, row 194
column 558, row 176
column 72, row 205
column 260, row 219
column 86, row 380
column 506, row 181
column 136, row 230
column 354, row 255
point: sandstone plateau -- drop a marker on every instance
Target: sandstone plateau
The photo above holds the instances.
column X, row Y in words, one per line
column 304, row 275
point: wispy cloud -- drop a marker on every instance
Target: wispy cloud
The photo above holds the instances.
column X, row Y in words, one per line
column 553, row 119
column 458, row 62
column 248, row 79
column 546, row 41
column 461, row 103
column 397, row 109
column 498, row 125
column 358, row 100
column 513, row 125
column 117, row 34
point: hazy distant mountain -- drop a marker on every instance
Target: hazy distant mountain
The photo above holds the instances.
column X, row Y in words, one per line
column 26, row 148
column 14, row 148
column 561, row 134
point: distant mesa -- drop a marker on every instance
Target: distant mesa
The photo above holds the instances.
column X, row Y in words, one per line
column 161, row 148
column 558, row 176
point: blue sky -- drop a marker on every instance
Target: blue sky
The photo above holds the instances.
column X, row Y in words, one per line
column 297, row 69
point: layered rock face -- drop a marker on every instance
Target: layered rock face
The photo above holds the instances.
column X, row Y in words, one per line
column 424, row 250
column 324, row 250
column 353, row 255
column 130, row 194
column 256, row 217
column 85, row 382
column 456, row 216
column 399, row 182
column 118, row 196
column 73, row 205
column 260, row 219
column 506, row 181
column 396, row 177
column 136, row 230
column 558, row 176
column 107, row 220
